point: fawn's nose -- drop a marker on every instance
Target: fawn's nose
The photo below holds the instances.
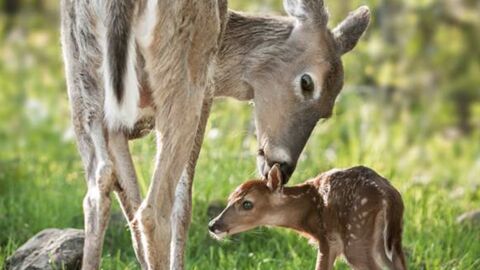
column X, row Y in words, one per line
column 214, row 226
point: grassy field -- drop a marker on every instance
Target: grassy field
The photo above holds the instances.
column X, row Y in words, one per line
column 411, row 143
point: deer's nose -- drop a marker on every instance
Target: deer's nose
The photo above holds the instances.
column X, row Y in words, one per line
column 265, row 163
column 285, row 168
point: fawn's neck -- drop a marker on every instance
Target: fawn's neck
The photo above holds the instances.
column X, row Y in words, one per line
column 303, row 210
column 240, row 52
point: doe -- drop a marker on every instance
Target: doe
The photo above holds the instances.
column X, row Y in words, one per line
column 354, row 212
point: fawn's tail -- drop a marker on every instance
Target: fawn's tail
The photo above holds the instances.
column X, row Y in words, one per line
column 393, row 231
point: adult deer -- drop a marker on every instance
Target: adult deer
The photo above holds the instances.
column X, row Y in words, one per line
column 160, row 62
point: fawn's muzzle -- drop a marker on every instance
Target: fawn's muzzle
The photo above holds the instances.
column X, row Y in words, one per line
column 216, row 226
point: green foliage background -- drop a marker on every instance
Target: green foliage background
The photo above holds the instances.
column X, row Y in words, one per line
column 410, row 110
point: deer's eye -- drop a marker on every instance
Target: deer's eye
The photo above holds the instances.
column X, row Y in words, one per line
column 306, row 83
column 247, row 205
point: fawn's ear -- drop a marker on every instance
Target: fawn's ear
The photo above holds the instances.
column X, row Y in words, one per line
column 349, row 31
column 311, row 12
column 274, row 179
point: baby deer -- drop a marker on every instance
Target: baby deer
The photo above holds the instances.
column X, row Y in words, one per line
column 354, row 212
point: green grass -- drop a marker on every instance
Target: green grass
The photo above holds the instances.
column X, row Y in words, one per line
column 42, row 185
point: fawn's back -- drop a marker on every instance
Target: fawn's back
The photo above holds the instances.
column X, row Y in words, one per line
column 365, row 211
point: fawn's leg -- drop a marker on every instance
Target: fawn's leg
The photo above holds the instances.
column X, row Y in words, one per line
column 394, row 260
column 126, row 188
column 365, row 263
column 181, row 216
column 360, row 256
column 399, row 262
column 325, row 256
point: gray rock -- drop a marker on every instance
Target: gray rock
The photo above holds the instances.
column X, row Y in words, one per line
column 472, row 217
column 49, row 249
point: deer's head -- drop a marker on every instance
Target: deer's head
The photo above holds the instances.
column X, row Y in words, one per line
column 252, row 204
column 296, row 83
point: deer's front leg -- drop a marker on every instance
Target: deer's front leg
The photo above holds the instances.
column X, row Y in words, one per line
column 176, row 128
column 181, row 218
column 183, row 200
column 179, row 64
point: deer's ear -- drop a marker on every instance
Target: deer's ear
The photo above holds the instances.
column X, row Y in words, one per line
column 274, row 179
column 349, row 31
column 307, row 11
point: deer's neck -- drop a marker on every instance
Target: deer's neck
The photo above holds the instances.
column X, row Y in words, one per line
column 248, row 40
column 304, row 211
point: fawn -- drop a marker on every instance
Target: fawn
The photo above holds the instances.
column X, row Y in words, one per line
column 354, row 212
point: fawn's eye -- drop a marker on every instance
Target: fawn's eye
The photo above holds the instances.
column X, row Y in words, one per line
column 306, row 83
column 247, row 205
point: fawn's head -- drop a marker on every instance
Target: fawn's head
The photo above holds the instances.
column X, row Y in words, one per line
column 296, row 84
column 252, row 204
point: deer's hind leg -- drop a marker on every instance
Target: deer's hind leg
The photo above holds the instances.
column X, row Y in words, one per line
column 92, row 145
column 87, row 117
column 97, row 202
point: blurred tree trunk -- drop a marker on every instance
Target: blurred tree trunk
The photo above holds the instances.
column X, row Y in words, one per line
column 39, row 5
column 463, row 97
column 387, row 11
column 10, row 7
column 464, row 114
